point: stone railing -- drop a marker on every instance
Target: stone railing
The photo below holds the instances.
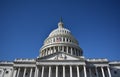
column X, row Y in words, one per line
column 114, row 62
column 24, row 60
column 96, row 60
column 6, row 62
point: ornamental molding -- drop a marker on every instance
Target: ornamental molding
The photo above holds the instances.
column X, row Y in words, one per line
column 24, row 65
column 60, row 63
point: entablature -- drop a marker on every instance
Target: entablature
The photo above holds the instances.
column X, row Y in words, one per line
column 6, row 63
column 97, row 62
column 57, row 62
column 24, row 65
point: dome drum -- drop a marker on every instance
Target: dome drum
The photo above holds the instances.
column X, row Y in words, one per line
column 60, row 44
column 66, row 49
column 60, row 39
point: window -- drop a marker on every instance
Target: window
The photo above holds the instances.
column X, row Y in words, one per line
column 7, row 72
column 26, row 74
column 64, row 49
column 67, row 39
column 77, row 53
column 60, row 48
column 69, row 50
column 58, row 39
column 115, row 72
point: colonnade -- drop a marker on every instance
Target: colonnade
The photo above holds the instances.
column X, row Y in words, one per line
column 16, row 72
column 57, row 71
column 100, row 74
column 67, row 49
column 60, row 39
column 41, row 72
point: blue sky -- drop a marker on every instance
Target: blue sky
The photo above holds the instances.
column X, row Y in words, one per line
column 24, row 25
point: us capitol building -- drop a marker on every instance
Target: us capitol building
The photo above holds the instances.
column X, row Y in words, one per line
column 60, row 56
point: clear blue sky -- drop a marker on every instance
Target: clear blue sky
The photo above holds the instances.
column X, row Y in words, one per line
column 24, row 25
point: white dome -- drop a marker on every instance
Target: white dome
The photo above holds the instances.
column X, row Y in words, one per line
column 60, row 40
column 62, row 33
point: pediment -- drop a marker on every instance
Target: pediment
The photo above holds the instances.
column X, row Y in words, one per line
column 60, row 56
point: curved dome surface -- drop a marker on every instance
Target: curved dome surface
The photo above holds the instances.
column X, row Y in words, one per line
column 60, row 31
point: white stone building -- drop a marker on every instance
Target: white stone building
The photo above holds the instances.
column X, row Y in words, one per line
column 60, row 56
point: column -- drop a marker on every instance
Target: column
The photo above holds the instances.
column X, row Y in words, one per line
column 18, row 72
column 90, row 72
column 65, row 40
column 63, row 49
column 3, row 72
column 85, row 74
column 42, row 74
column 12, row 72
column 96, row 71
column 56, row 71
column 75, row 51
column 24, row 72
column 71, row 51
column 50, row 50
column 49, row 75
column 58, row 48
column 109, row 73
column 31, row 72
column 41, row 53
column 70, row 71
column 36, row 72
column 67, row 49
column 45, row 52
column 78, row 73
column 62, row 39
column 53, row 49
column 63, row 71
column 103, row 74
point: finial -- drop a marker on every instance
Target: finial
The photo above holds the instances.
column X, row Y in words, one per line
column 60, row 24
column 61, row 19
